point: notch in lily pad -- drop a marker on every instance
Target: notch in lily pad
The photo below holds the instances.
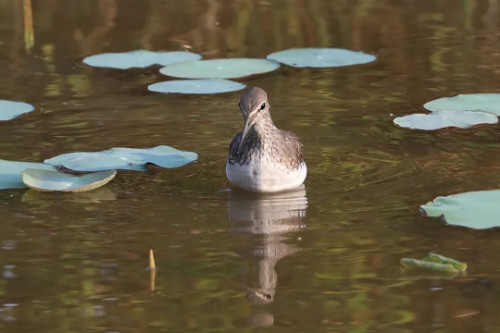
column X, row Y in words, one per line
column 486, row 102
column 13, row 109
column 434, row 263
column 220, row 68
column 321, row 57
column 200, row 86
column 139, row 59
column 124, row 159
column 10, row 172
column 55, row 181
column 475, row 210
column 443, row 119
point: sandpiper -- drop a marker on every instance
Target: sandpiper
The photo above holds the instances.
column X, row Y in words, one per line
column 263, row 158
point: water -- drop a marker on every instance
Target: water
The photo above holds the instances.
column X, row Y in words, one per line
column 323, row 259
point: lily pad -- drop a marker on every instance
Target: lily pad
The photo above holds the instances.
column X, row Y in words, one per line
column 200, row 86
column 220, row 68
column 139, row 59
column 321, row 57
column 47, row 180
column 467, row 102
column 124, row 158
column 434, row 262
column 10, row 172
column 11, row 109
column 476, row 210
column 442, row 119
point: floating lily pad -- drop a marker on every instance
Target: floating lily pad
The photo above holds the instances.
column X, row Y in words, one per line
column 10, row 172
column 321, row 57
column 442, row 119
column 11, row 109
column 51, row 181
column 476, row 210
column 124, row 158
column 467, row 102
column 200, row 86
column 220, row 68
column 435, row 263
column 139, row 59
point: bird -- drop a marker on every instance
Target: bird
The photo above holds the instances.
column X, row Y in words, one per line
column 263, row 158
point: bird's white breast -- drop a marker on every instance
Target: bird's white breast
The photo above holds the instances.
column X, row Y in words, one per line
column 264, row 174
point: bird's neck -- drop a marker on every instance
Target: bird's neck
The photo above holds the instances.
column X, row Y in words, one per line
column 264, row 126
column 258, row 135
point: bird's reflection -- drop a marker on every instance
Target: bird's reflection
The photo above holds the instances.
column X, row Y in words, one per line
column 269, row 216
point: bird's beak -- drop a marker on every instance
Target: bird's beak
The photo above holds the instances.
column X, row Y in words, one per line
column 248, row 123
column 244, row 134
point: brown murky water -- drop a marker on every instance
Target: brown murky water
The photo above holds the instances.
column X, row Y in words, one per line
column 321, row 259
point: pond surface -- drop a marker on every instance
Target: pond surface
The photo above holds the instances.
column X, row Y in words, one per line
column 320, row 259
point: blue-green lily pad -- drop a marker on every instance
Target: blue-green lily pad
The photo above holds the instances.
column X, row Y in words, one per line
column 467, row 102
column 200, row 86
column 442, row 119
column 220, row 68
column 50, row 181
column 139, row 59
column 321, row 57
column 11, row 109
column 476, row 210
column 10, row 172
column 124, row 158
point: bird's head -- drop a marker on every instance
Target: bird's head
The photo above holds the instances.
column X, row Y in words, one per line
column 255, row 108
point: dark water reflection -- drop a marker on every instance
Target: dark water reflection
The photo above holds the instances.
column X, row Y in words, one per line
column 78, row 262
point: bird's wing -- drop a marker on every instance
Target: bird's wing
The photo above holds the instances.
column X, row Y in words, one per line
column 233, row 147
column 294, row 145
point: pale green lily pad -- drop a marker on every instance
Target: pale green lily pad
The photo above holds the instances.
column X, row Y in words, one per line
column 435, row 263
column 12, row 109
column 321, row 57
column 10, row 172
column 220, row 68
column 200, row 86
column 442, row 119
column 139, row 59
column 489, row 102
column 476, row 210
column 52, row 181
column 124, row 158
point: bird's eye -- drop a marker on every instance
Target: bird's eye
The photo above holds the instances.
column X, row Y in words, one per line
column 263, row 106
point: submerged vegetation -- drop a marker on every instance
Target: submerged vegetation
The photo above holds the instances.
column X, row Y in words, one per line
column 434, row 263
